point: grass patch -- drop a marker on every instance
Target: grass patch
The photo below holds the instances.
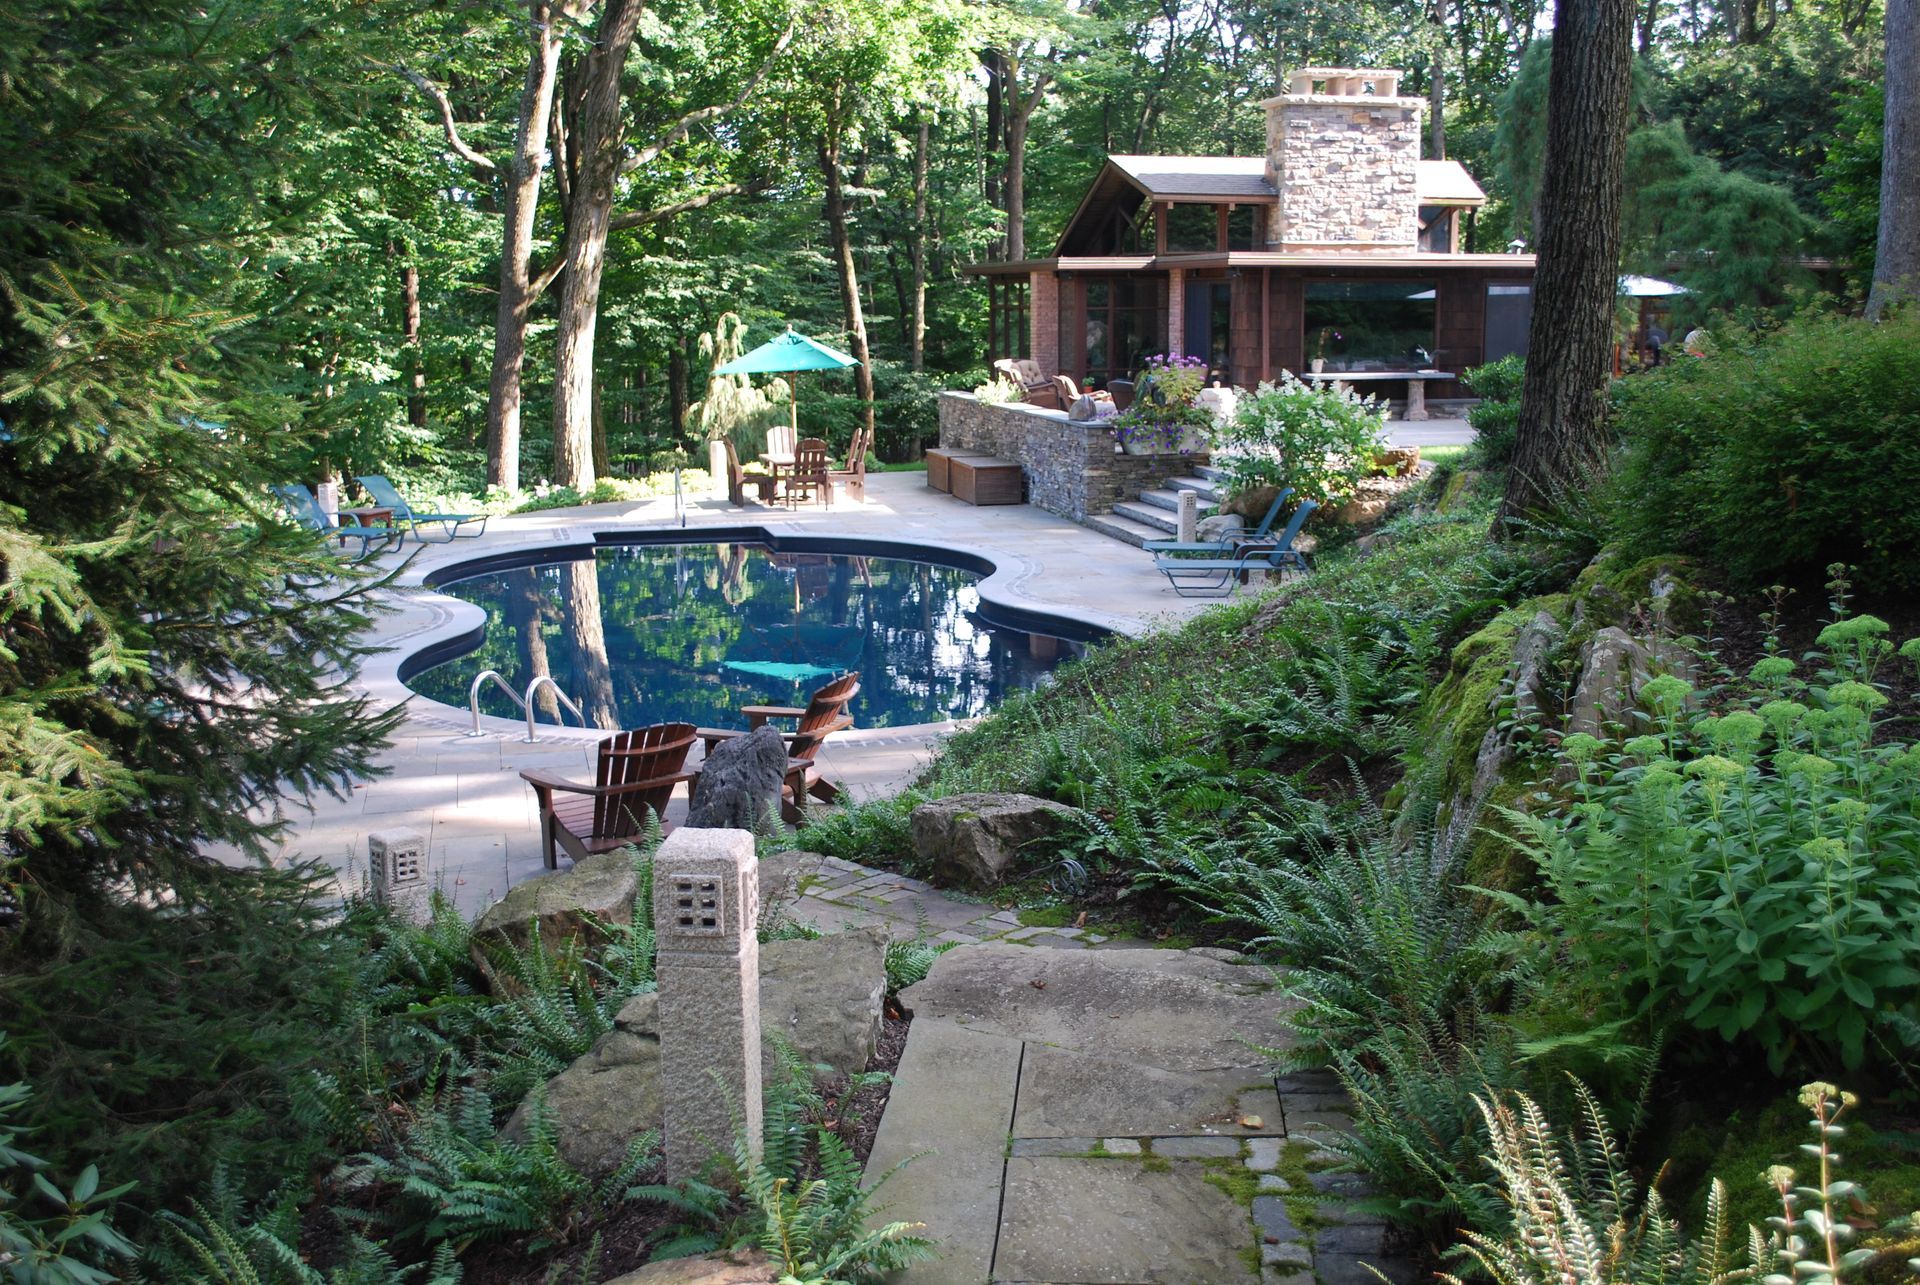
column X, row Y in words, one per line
column 1450, row 455
column 1046, row 916
column 1233, row 1177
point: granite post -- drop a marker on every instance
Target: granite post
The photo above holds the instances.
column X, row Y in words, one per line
column 1189, row 516
column 399, row 861
column 706, row 887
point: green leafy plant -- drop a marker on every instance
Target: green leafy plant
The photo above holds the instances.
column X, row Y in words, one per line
column 1754, row 872
column 1496, row 419
column 1578, row 1217
column 1318, row 440
column 1781, row 434
column 49, row 1234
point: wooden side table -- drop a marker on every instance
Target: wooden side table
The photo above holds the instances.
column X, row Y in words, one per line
column 372, row 516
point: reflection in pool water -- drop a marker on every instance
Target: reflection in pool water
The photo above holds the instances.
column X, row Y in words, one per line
column 660, row 633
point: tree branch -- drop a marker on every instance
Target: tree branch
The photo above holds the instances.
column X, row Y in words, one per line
column 639, row 218
column 680, row 128
column 439, row 96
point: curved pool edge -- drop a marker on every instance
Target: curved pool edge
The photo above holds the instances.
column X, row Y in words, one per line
column 434, row 627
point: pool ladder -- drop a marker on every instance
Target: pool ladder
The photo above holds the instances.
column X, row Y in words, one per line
column 525, row 702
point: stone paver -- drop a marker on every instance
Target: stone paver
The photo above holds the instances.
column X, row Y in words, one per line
column 1117, row 1220
column 1134, row 1085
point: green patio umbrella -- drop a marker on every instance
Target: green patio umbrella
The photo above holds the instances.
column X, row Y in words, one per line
column 789, row 354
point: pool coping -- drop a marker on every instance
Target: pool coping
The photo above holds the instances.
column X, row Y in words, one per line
column 453, row 627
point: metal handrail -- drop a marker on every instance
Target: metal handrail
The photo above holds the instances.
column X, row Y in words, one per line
column 524, row 702
column 473, row 696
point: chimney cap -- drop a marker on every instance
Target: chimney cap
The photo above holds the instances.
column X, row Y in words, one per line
column 1320, row 84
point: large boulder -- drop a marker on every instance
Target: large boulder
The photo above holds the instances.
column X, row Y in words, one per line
column 739, row 783
column 781, row 877
column 977, row 838
column 740, row 1267
column 606, row 1099
column 1252, row 503
column 1615, row 667
column 1220, row 526
column 599, row 888
column 824, row 997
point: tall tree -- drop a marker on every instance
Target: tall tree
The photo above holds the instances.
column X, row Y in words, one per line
column 599, row 138
column 1562, row 428
column 1896, row 262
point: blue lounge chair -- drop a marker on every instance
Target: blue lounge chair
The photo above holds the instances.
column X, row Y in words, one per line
column 387, row 497
column 1219, row 577
column 305, row 510
column 1260, row 533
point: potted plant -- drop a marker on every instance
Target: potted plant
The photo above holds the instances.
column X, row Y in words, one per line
column 1319, row 362
column 1162, row 430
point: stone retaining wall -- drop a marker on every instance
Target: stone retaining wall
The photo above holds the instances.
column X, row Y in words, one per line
column 1071, row 469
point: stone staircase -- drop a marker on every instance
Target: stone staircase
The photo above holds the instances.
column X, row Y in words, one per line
column 1155, row 515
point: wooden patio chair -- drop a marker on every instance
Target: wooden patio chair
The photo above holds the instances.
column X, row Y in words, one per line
column 738, row 479
column 854, row 475
column 780, row 440
column 1122, row 392
column 636, row 775
column 825, row 714
column 810, row 476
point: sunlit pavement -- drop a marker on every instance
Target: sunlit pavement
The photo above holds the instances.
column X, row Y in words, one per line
column 465, row 793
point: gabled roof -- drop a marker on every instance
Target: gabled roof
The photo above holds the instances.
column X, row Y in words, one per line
column 1448, row 183
column 1244, row 178
column 1222, row 178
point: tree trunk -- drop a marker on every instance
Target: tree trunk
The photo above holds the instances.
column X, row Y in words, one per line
column 917, row 330
column 1649, row 21
column 677, row 394
column 1561, row 434
column 410, row 332
column 1437, row 85
column 1896, row 265
column 996, row 98
column 521, row 201
column 843, row 262
column 1016, row 188
column 602, row 460
column 596, row 138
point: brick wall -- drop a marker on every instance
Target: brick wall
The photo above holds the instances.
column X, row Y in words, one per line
column 1043, row 319
column 1071, row 469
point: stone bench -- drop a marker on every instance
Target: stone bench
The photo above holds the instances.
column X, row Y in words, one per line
column 982, row 479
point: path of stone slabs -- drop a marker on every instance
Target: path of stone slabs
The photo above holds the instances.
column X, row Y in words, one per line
column 1105, row 1116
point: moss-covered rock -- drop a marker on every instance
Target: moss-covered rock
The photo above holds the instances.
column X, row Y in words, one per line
column 1660, row 593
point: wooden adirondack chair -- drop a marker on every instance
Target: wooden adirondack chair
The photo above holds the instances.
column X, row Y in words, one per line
column 854, row 475
column 810, row 476
column 636, row 774
column 738, row 479
column 825, row 714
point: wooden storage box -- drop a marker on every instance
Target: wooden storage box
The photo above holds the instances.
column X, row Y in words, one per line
column 939, row 466
column 982, row 479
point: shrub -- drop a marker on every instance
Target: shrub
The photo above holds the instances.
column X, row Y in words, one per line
column 49, row 1234
column 1496, row 420
column 1319, row 441
column 1753, row 872
column 1578, row 1218
column 1776, row 456
column 1000, row 391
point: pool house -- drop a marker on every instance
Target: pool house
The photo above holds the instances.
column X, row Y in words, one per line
column 1339, row 250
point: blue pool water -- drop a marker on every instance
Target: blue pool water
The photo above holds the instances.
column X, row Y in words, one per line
column 664, row 633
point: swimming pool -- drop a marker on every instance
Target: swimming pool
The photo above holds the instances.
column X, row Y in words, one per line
column 690, row 632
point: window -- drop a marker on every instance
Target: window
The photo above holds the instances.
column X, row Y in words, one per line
column 1509, row 313
column 1193, row 227
column 1243, row 228
column 1125, row 323
column 1007, row 332
column 1436, row 228
column 1371, row 325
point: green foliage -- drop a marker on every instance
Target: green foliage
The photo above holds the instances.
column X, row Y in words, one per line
column 879, row 831
column 1580, row 1219
column 49, row 1233
column 1756, row 457
column 911, row 960
column 1319, row 440
column 1496, row 420
column 1755, row 872
column 1850, row 176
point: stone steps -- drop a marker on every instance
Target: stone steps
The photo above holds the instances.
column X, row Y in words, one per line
column 1124, row 529
column 1205, row 488
column 1161, row 519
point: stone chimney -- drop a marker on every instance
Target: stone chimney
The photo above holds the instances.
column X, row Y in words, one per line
column 1343, row 152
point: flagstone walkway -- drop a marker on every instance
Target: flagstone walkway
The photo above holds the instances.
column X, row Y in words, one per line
column 1109, row 1116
